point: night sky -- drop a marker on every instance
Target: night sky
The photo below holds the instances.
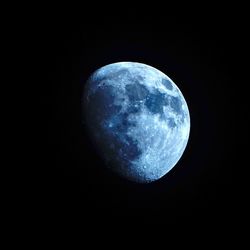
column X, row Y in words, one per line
column 196, row 53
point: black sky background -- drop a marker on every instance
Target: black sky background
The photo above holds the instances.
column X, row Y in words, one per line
column 196, row 52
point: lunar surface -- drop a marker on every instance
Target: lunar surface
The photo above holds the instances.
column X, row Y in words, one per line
column 137, row 118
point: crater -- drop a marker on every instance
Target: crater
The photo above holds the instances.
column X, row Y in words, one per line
column 175, row 103
column 139, row 79
column 167, row 84
column 171, row 122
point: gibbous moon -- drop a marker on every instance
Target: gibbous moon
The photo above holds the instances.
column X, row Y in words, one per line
column 137, row 118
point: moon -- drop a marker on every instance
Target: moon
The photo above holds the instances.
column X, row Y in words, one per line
column 137, row 119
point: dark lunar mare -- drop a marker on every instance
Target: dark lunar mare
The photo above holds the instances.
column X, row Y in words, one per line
column 155, row 102
column 167, row 84
column 175, row 104
column 136, row 92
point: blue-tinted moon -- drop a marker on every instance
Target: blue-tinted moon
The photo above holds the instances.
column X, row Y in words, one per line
column 137, row 118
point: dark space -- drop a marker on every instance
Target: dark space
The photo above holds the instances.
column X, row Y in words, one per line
column 74, row 186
